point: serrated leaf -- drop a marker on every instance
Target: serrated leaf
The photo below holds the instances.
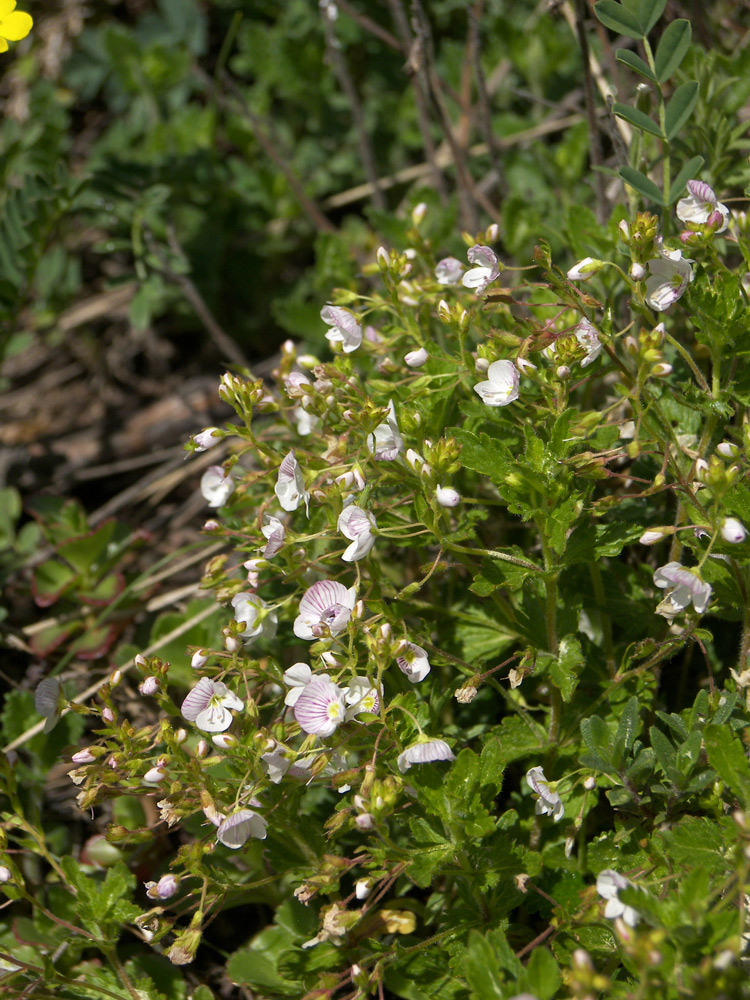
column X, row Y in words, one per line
column 564, row 671
column 642, row 184
column 597, row 737
column 637, row 118
column 680, row 108
column 626, row 731
column 726, row 755
column 617, row 18
column 672, row 48
column 635, row 63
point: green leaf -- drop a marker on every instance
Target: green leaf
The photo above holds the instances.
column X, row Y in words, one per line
column 672, row 49
column 84, row 552
column 689, row 171
column 626, row 731
column 564, row 671
column 635, row 63
column 680, row 108
column 726, row 755
column 597, row 737
column 617, row 18
column 50, row 581
column 483, row 971
column 637, row 118
column 649, row 12
column 641, row 184
column 543, row 977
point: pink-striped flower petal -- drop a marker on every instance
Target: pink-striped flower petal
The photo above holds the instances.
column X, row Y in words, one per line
column 325, row 609
column 321, row 708
column 424, row 752
column 290, row 485
column 237, row 829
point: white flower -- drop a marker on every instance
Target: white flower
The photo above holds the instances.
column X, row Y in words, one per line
column 424, row 752
column 5, row 874
column 216, row 486
column 548, row 802
column 250, row 610
column 448, row 271
column 208, row 706
column 585, row 269
column 415, row 359
column 487, row 270
column 414, row 662
column 345, row 329
column 356, row 525
column 733, row 530
column 608, row 885
column 320, row 708
column 701, row 205
column 386, row 442
column 275, row 763
column 275, row 532
column 361, row 696
column 325, row 609
column 686, row 586
column 307, row 423
column 446, row 496
column 296, row 678
column 588, row 337
column 669, row 276
column 652, row 536
column 84, row 756
column 501, row 386
column 239, row 827
column 207, row 438
column 290, row 486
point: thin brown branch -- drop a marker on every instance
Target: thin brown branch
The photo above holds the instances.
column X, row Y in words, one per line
column 595, row 139
column 318, row 219
column 220, row 337
column 483, row 99
column 420, row 98
column 464, row 179
column 443, row 159
column 341, row 71
column 369, row 25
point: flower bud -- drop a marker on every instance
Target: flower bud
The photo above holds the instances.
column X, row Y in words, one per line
column 108, row 715
column 727, row 449
column 481, row 365
column 224, row 740
column 149, row 686
column 364, row 821
column 116, row 678
column 154, row 776
column 5, row 874
column 585, row 269
column 415, row 359
column 590, row 783
column 418, row 213
column 207, row 438
column 524, row 365
column 201, row 748
column 383, row 259
column 637, row 271
column 140, row 661
column 651, row 536
column 363, row 888
column 492, row 232
column 446, row 496
column 733, row 531
column 199, row 659
column 444, row 311
column 359, row 610
column 562, row 371
column 624, row 231
column 180, row 736
column 210, row 525
column 661, row 370
column 232, row 644
column 385, row 631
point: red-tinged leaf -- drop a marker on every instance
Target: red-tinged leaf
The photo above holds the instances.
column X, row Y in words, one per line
column 52, row 636
column 87, row 550
column 50, row 581
column 95, row 643
column 104, row 592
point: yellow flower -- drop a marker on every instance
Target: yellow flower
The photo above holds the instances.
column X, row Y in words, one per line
column 14, row 24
